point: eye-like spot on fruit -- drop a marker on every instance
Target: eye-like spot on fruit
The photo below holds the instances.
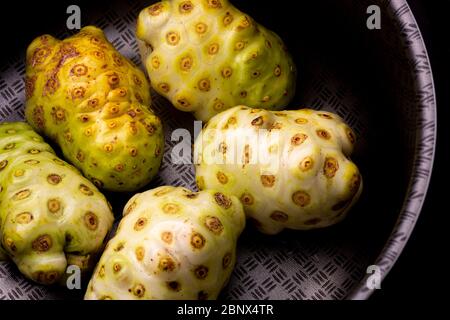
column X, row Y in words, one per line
column 312, row 222
column 95, row 40
column 201, row 272
column 119, row 167
column 218, row 105
column 325, row 116
column 101, row 272
column 213, row 49
column 306, row 164
column 98, row 183
column 113, row 79
column 350, row 135
column 227, row 72
column 244, row 24
column 186, row 63
column 258, row 121
column 19, row 173
column 279, row 216
column 226, row 261
column 247, row 154
column 228, row 19
column 330, row 167
column 277, row 71
column 167, row 237
column 140, row 253
column 34, row 151
column 164, row 87
column 117, row 267
column 155, row 9
column 42, row 243
column 39, row 56
column 174, row 286
column 247, row 199
column 183, row 102
column 324, row 134
column 186, row 7
column 119, row 247
column 201, row 28
column 197, row 240
column 99, row 54
column 54, row 179
column 216, row 4
column 156, row 63
column 32, row 162
column 355, row 183
column 298, row 139
column 78, row 93
column 133, row 152
column 24, row 218
column 166, row 264
column 256, row 74
column 268, row 181
column 21, row 195
column 173, row 38
column 85, row 190
column 80, row 156
column 108, row 148
column 139, row 290
column 243, row 94
column 268, row 44
column 9, row 146
column 171, row 208
column 204, row 85
column 140, row 224
column 91, row 221
column 54, row 206
column 301, row 121
column 43, row 277
column 239, row 45
column 214, row 225
column 266, row 99
column 3, row 164
column 222, row 177
column 301, row 198
column 58, row 161
column 79, row 70
column 222, row 200
column 51, row 86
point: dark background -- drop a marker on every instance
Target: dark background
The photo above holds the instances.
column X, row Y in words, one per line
column 422, row 268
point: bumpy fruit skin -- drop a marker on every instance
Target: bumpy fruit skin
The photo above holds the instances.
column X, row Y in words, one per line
column 171, row 244
column 206, row 56
column 290, row 169
column 95, row 104
column 50, row 215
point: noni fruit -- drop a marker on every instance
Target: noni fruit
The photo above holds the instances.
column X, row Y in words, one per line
column 171, row 244
column 206, row 56
column 95, row 104
column 51, row 217
column 290, row 169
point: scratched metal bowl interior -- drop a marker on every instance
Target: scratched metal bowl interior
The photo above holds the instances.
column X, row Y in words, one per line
column 379, row 81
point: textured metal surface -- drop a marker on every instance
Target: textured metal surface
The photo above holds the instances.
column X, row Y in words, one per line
column 328, row 264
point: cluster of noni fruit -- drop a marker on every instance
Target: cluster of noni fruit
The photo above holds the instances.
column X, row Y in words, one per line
column 208, row 58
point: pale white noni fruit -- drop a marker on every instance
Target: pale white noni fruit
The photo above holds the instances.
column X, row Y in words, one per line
column 173, row 244
column 290, row 169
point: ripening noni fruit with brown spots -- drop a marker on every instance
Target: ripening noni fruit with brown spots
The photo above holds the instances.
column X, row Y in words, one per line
column 289, row 169
column 176, row 256
column 53, row 217
column 95, row 104
column 213, row 57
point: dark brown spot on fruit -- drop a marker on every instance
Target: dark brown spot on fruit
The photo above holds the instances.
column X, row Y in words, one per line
column 78, row 93
column 91, row 221
column 226, row 261
column 79, row 70
column 173, row 38
column 23, row 194
column 174, row 286
column 42, row 243
column 301, row 198
column 247, row 199
column 258, row 121
column 222, row 200
column 330, row 167
column 279, row 216
column 324, row 134
column 268, row 181
column 222, row 178
column 228, row 19
column 155, row 9
column 298, row 139
column 86, row 190
column 3, row 164
column 54, row 179
column 140, row 224
column 24, row 218
column 214, row 225
column 167, row 237
column 166, row 264
column 204, row 85
column 186, row 7
column 197, row 240
column 140, row 253
column 201, row 272
column 139, row 290
column 201, row 28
